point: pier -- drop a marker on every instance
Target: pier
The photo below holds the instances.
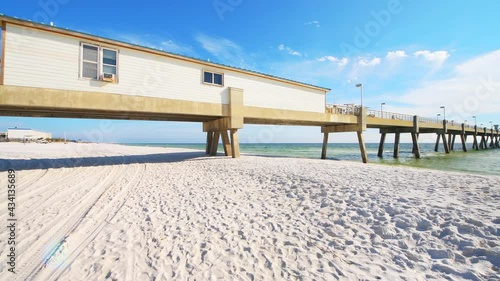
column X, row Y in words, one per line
column 47, row 71
column 447, row 133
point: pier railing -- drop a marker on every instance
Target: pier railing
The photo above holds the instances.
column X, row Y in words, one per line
column 342, row 109
column 354, row 111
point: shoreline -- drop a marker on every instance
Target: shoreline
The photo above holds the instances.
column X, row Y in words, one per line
column 83, row 150
column 407, row 161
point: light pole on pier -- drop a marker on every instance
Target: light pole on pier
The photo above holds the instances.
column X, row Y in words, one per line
column 360, row 85
column 439, row 114
column 382, row 110
column 444, row 112
column 475, row 121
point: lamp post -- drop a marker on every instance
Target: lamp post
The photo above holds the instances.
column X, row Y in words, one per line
column 360, row 85
column 382, row 109
column 491, row 123
column 475, row 121
column 437, row 118
column 444, row 112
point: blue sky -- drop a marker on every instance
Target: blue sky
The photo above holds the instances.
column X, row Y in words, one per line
column 413, row 55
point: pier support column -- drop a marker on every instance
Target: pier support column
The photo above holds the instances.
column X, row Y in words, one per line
column 362, row 127
column 497, row 143
column 362, row 147
column 226, row 143
column 492, row 142
column 445, row 144
column 210, row 136
column 450, row 138
column 396, row 145
column 416, row 147
column 443, row 135
column 414, row 136
column 325, row 146
column 381, row 145
column 463, row 138
column 464, row 145
column 436, row 147
column 452, row 146
column 235, row 143
column 215, row 144
column 475, row 145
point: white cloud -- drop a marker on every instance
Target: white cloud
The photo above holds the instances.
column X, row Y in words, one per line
column 339, row 62
column 396, row 55
column 437, row 57
column 290, row 51
column 367, row 62
column 225, row 50
column 176, row 48
column 473, row 88
column 314, row 22
column 155, row 42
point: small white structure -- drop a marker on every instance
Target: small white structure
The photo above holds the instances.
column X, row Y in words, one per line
column 26, row 134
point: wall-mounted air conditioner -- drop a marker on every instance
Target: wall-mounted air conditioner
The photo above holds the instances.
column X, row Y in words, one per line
column 108, row 77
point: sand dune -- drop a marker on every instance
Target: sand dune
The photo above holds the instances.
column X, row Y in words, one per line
column 110, row 212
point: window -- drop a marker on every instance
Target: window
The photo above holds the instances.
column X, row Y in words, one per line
column 90, row 61
column 213, row 78
column 109, row 61
column 99, row 62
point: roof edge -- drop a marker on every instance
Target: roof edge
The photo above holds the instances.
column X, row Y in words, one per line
column 88, row 36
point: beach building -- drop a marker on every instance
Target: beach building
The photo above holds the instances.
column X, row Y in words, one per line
column 26, row 134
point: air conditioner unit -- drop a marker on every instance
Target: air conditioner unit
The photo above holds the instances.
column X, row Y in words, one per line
column 108, row 77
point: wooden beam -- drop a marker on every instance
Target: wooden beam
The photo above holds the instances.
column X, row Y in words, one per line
column 226, row 143
column 235, row 144
column 396, row 145
column 452, row 146
column 325, row 146
column 339, row 128
column 362, row 147
column 381, row 145
column 215, row 144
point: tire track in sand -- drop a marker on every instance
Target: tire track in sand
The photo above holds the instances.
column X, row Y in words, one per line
column 83, row 236
column 45, row 246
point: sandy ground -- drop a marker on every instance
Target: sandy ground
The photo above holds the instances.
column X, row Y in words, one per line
column 109, row 212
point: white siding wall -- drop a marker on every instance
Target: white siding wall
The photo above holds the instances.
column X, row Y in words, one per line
column 36, row 58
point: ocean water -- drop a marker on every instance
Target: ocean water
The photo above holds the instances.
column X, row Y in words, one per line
column 480, row 162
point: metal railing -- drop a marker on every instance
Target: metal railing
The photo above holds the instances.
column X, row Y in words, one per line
column 351, row 109
column 389, row 115
column 342, row 109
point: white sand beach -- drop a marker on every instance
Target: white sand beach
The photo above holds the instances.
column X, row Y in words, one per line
column 112, row 212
